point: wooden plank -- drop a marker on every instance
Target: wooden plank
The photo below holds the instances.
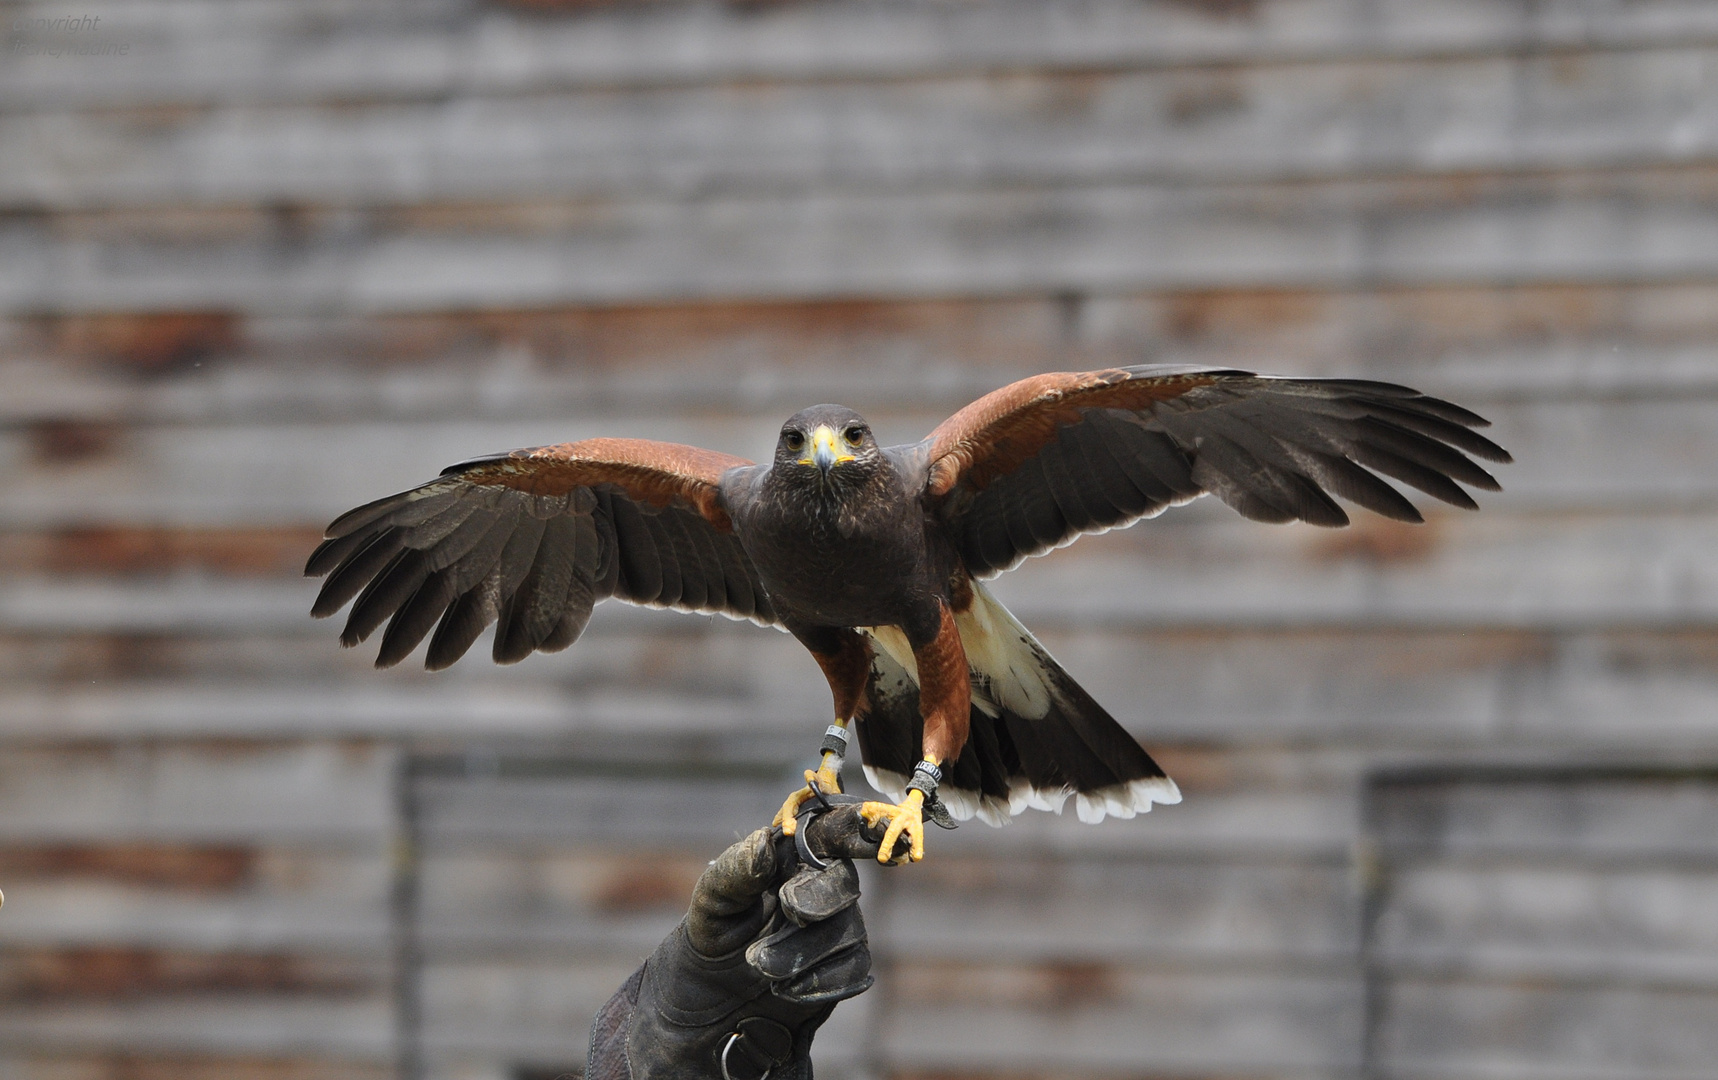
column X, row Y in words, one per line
column 356, row 1029
column 1565, row 923
column 337, row 795
column 96, row 1066
column 123, row 550
column 1518, row 341
column 1114, row 1017
column 517, row 1009
column 1630, row 226
column 197, row 50
column 682, row 811
column 1592, row 695
column 198, row 869
column 191, row 367
column 584, row 901
column 1498, row 113
column 213, row 897
column 194, row 368
column 80, row 974
column 1461, row 1029
column 1589, row 818
column 518, row 710
column 81, row 914
column 1106, row 910
column 1467, row 573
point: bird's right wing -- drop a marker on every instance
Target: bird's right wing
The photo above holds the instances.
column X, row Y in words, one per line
column 533, row 539
column 1033, row 465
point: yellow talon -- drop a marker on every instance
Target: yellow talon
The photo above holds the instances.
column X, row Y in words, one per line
column 826, row 778
column 907, row 817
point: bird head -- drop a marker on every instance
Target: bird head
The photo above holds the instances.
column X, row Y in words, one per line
column 828, row 442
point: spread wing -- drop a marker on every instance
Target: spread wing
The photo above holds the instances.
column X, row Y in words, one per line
column 533, row 539
column 1036, row 463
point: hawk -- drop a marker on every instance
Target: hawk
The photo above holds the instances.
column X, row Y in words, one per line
column 875, row 557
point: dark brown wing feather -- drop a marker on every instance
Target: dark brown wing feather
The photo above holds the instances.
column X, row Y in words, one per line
column 1039, row 462
column 533, row 539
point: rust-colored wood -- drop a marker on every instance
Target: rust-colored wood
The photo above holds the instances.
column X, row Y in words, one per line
column 125, row 549
column 100, row 973
column 182, row 867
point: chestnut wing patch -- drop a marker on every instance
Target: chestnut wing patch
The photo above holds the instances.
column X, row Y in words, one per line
column 1040, row 462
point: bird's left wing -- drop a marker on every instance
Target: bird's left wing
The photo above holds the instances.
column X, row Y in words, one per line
column 533, row 539
column 1035, row 464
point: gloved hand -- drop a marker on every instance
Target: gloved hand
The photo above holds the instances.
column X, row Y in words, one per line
column 771, row 943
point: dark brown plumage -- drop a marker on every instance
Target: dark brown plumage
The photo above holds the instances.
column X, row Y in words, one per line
column 873, row 557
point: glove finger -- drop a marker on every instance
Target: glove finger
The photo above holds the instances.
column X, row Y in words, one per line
column 738, row 876
column 811, row 896
column 727, row 901
column 792, row 949
column 842, row 976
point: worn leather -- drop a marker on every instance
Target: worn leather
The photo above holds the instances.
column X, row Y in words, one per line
column 766, row 950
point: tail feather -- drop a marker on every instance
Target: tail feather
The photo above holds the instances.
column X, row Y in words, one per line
column 1036, row 737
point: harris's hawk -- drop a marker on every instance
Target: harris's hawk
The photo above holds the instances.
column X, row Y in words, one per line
column 874, row 557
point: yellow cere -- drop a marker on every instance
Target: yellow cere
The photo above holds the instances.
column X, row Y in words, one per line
column 825, row 444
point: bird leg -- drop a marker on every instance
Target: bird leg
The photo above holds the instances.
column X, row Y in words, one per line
column 905, row 818
column 846, row 663
column 826, row 778
column 945, row 700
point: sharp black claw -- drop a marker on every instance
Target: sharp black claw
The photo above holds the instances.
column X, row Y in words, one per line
column 817, row 793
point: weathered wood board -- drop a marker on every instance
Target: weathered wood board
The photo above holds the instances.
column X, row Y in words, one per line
column 1651, row 225
column 193, row 51
column 1462, row 115
column 274, row 258
column 1562, row 923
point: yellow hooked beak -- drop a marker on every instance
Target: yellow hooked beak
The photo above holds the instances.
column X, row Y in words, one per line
column 826, row 452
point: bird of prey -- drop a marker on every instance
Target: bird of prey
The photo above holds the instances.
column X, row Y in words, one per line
column 874, row 557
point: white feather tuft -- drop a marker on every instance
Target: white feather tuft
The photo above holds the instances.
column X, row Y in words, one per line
column 963, row 805
column 1118, row 800
column 1004, row 654
column 887, row 781
column 893, row 641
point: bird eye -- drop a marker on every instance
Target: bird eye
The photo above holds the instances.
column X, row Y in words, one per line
column 793, row 440
column 854, row 435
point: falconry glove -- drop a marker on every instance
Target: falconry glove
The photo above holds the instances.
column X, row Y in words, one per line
column 772, row 941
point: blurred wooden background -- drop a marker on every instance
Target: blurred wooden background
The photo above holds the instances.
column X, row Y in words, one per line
column 1452, row 792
